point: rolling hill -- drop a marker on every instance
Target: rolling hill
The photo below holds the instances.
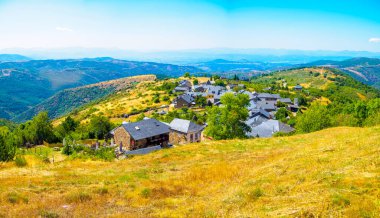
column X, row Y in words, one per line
column 67, row 100
column 307, row 175
column 366, row 70
column 123, row 105
column 323, row 84
column 26, row 84
column 13, row 58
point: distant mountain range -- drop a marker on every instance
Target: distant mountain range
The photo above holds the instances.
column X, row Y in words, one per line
column 366, row 70
column 13, row 57
column 240, row 66
column 193, row 56
column 28, row 83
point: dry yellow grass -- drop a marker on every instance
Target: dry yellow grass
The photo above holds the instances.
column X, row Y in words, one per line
column 123, row 102
column 323, row 100
column 361, row 96
column 331, row 173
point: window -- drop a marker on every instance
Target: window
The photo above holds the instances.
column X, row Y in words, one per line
column 191, row 137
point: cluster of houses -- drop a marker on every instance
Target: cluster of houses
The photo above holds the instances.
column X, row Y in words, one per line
column 150, row 133
column 262, row 107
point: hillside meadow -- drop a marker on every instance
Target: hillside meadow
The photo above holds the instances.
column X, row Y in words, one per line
column 136, row 100
column 334, row 172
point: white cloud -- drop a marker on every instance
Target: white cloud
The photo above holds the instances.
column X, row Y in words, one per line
column 374, row 40
column 64, row 29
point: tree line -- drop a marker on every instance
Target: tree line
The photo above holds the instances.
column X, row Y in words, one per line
column 40, row 130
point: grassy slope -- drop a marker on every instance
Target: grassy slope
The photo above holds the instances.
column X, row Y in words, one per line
column 307, row 80
column 333, row 172
column 67, row 100
column 123, row 102
column 302, row 77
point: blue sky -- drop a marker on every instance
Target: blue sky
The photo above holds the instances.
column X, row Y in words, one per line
column 150, row 25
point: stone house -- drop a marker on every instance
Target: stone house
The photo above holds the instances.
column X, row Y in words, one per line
column 184, row 86
column 185, row 131
column 142, row 134
column 184, row 100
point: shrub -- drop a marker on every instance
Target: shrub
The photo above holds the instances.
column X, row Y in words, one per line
column 256, row 193
column 7, row 147
column 67, row 149
column 106, row 154
column 20, row 161
column 187, row 75
column 102, row 191
column 16, row 198
column 145, row 192
column 156, row 100
column 48, row 214
column 166, row 98
column 78, row 197
column 339, row 200
column 314, row 119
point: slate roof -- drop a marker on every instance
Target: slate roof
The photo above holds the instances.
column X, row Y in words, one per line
column 194, row 94
column 187, row 98
column 252, row 105
column 255, row 121
column 268, row 128
column 286, row 100
column 215, row 89
column 182, row 89
column 260, row 111
column 202, row 87
column 185, row 126
column 268, row 95
column 298, row 87
column 185, row 83
column 266, row 105
column 276, row 96
column 146, row 128
column 264, row 95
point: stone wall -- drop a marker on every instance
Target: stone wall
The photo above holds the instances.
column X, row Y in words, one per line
column 121, row 135
column 177, row 138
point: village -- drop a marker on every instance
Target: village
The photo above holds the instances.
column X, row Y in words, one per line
column 151, row 134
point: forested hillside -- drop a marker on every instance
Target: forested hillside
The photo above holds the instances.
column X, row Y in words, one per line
column 67, row 100
column 26, row 84
column 366, row 70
